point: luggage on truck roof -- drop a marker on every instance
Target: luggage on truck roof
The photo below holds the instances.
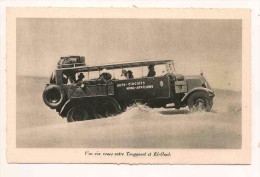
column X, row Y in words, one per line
column 71, row 62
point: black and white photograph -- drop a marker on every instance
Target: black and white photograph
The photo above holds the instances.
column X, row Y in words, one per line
column 141, row 83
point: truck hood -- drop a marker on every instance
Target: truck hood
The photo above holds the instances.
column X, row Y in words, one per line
column 196, row 81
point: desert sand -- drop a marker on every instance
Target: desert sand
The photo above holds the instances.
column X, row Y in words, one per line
column 139, row 127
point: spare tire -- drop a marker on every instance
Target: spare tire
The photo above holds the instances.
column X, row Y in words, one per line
column 53, row 96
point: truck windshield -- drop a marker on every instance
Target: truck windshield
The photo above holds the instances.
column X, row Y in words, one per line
column 170, row 68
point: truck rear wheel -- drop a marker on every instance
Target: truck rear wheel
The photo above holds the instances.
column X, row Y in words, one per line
column 77, row 113
column 200, row 101
column 106, row 108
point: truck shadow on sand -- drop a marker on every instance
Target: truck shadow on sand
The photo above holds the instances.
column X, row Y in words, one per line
column 175, row 112
column 172, row 112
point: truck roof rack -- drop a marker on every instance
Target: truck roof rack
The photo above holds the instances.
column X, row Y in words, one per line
column 118, row 65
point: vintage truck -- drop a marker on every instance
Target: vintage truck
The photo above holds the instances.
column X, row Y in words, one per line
column 107, row 95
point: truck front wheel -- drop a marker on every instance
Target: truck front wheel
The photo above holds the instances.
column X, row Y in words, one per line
column 200, row 101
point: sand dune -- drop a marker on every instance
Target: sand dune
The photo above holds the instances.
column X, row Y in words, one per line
column 138, row 127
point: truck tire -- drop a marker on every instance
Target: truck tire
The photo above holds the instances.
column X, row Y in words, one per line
column 53, row 96
column 77, row 113
column 106, row 107
column 200, row 101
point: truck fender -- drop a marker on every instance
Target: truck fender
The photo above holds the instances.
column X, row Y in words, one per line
column 65, row 108
column 72, row 102
column 108, row 98
column 198, row 89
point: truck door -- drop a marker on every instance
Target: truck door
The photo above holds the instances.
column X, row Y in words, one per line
column 147, row 88
column 162, row 87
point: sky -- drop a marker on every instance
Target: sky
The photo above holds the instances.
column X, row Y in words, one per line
column 211, row 46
